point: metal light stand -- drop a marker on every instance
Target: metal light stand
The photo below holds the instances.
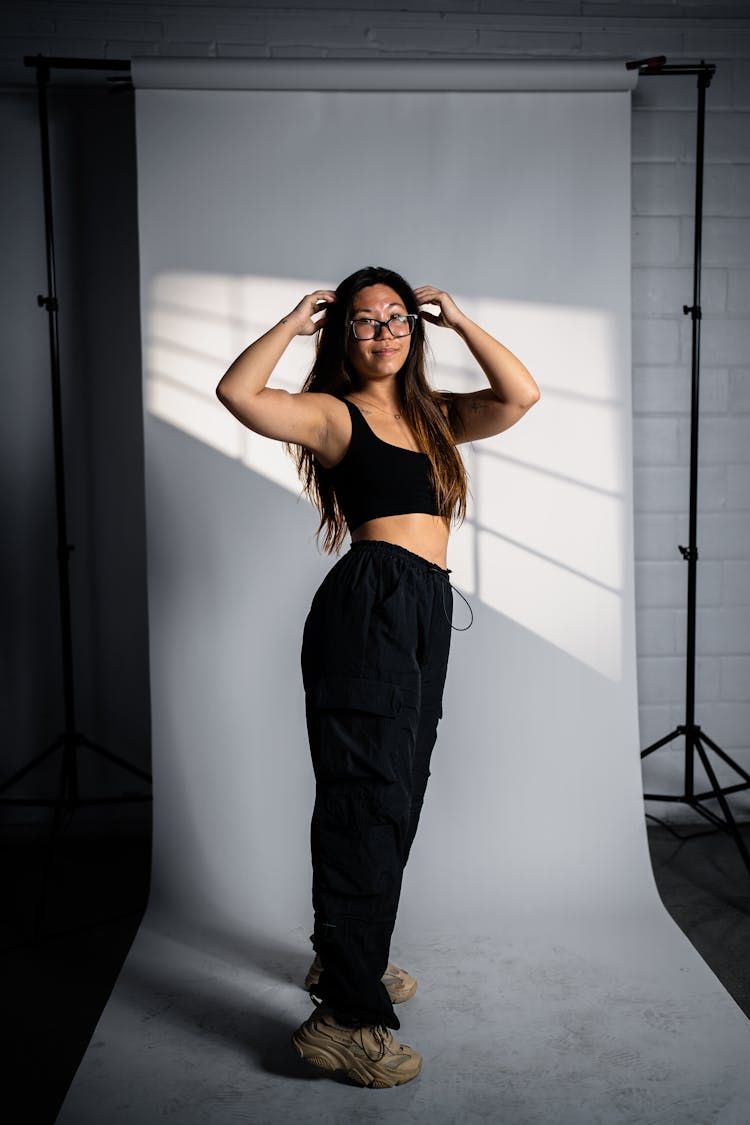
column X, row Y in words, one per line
column 696, row 740
column 71, row 739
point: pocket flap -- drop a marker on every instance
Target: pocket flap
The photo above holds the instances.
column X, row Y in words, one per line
column 352, row 693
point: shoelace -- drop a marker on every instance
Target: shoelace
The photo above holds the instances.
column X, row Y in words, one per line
column 381, row 1035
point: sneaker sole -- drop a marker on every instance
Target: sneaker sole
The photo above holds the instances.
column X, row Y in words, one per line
column 341, row 1062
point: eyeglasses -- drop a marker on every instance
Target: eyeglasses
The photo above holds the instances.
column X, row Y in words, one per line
column 400, row 324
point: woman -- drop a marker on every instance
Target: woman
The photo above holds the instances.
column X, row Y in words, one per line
column 376, row 449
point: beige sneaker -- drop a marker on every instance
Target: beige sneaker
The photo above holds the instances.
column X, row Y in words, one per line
column 399, row 984
column 368, row 1056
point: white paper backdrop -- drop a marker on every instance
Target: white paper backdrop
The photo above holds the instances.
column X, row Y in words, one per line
column 518, row 204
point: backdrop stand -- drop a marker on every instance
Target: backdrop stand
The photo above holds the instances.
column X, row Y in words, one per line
column 695, row 738
column 68, row 798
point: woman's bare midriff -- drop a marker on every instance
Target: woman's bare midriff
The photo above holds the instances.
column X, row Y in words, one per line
column 418, row 532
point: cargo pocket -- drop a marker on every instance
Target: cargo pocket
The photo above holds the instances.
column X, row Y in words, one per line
column 365, row 729
column 365, row 735
column 354, row 693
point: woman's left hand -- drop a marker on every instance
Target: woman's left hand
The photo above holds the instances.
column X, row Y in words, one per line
column 450, row 315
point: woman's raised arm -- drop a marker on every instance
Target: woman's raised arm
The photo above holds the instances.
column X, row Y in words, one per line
column 296, row 418
column 512, row 390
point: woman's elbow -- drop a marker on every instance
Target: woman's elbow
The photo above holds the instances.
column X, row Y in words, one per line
column 534, row 395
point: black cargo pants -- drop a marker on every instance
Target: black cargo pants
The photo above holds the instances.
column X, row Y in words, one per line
column 374, row 659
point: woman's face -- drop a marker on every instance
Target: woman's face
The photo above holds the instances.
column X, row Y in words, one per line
column 386, row 354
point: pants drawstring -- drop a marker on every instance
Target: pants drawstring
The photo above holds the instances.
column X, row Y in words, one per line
column 458, row 628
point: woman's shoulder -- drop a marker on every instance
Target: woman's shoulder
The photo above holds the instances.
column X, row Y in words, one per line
column 444, row 402
column 333, row 406
column 338, row 430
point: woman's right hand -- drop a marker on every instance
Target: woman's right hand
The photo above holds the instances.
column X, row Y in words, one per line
column 302, row 315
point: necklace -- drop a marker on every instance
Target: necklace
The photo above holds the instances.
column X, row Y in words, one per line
column 382, row 411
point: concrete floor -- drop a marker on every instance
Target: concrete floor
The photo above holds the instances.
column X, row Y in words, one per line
column 56, row 988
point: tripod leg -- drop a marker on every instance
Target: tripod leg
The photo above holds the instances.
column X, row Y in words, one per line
column 115, row 758
column 730, row 823
column 11, row 781
column 730, row 761
column 661, row 742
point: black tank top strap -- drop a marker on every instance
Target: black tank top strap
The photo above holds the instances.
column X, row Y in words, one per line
column 355, row 412
column 360, row 429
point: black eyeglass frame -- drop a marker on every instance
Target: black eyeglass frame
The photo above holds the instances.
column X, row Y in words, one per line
column 412, row 318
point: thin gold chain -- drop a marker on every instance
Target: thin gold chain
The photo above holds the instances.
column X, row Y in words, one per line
column 380, row 408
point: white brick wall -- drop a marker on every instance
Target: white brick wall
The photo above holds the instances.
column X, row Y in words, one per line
column 663, row 169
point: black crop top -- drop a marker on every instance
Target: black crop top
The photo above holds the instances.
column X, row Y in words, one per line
column 375, row 478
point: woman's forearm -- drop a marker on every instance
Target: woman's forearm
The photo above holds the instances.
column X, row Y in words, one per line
column 509, row 379
column 252, row 368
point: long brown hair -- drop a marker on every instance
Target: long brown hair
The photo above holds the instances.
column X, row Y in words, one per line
column 332, row 373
